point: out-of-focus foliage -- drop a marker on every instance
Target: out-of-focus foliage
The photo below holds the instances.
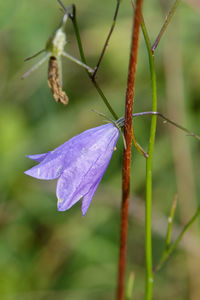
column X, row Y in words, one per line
column 45, row 254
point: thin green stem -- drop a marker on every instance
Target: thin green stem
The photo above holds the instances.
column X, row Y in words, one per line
column 107, row 40
column 177, row 242
column 170, row 222
column 78, row 38
column 96, row 85
column 105, row 100
column 130, row 285
column 148, row 237
column 34, row 55
column 166, row 120
column 190, row 133
column 166, row 23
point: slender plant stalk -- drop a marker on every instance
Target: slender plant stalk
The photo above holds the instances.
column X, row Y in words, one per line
column 171, row 249
column 127, row 151
column 108, row 38
column 105, row 100
column 166, row 23
column 130, row 284
column 99, row 90
column 170, row 223
column 166, row 120
column 148, row 246
column 148, row 237
column 34, row 55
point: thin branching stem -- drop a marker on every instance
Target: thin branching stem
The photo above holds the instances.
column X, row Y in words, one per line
column 34, row 55
column 107, row 40
column 96, row 85
column 172, row 248
column 166, row 23
column 127, row 151
column 105, row 100
column 170, row 223
column 166, row 120
column 99, row 90
column 148, row 237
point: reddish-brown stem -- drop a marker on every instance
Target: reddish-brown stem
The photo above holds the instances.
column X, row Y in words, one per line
column 127, row 151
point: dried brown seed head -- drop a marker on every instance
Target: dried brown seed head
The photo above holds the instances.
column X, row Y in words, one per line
column 54, row 82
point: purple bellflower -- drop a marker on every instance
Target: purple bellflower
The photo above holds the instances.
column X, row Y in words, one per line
column 79, row 165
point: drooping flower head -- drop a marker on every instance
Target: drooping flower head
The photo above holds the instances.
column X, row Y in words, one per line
column 79, row 165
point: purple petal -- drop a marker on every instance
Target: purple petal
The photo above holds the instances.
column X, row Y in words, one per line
column 88, row 198
column 68, row 153
column 83, row 177
column 38, row 157
column 47, row 169
column 66, row 193
column 79, row 145
column 80, row 163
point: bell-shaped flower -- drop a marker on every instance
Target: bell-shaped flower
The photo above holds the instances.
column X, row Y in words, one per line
column 79, row 165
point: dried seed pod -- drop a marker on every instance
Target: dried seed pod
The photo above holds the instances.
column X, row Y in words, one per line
column 54, row 82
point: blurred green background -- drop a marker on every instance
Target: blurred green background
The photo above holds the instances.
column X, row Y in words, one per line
column 45, row 254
